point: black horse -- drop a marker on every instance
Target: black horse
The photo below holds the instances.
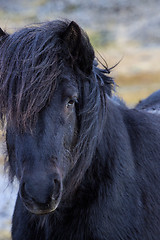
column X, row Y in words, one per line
column 88, row 168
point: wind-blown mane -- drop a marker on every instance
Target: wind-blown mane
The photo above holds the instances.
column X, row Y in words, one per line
column 31, row 61
column 30, row 68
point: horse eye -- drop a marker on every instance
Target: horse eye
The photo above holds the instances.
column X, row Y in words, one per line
column 71, row 102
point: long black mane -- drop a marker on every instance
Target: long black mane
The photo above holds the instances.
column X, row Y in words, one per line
column 30, row 69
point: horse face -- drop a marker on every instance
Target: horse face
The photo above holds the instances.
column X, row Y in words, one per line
column 42, row 159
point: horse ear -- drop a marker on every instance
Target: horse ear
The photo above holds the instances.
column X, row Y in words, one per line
column 80, row 49
column 72, row 37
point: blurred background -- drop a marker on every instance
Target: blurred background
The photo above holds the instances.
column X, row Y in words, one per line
column 118, row 29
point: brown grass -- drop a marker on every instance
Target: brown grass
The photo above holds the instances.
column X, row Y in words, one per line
column 133, row 88
column 4, row 235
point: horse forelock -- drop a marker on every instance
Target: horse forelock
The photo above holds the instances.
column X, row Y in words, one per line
column 30, row 65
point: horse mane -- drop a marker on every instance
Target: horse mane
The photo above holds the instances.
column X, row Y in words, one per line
column 30, row 65
column 92, row 119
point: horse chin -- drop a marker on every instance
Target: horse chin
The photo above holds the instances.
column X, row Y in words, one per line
column 41, row 209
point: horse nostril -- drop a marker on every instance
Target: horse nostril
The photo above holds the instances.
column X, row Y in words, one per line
column 56, row 188
column 24, row 192
column 41, row 193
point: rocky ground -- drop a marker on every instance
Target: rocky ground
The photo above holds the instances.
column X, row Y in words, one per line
column 119, row 30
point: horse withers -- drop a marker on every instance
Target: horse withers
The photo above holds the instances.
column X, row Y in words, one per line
column 88, row 168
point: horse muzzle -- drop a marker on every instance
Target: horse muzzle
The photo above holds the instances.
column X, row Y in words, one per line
column 41, row 197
